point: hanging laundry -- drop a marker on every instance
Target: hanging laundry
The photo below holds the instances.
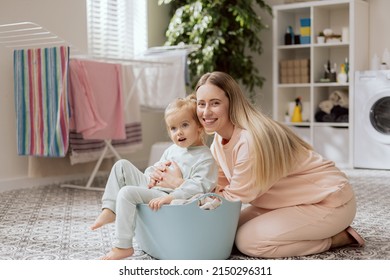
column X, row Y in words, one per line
column 85, row 150
column 132, row 114
column 41, row 101
column 160, row 85
column 96, row 99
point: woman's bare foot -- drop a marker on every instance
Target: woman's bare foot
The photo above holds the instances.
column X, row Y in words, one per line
column 118, row 254
column 347, row 237
column 341, row 239
column 106, row 217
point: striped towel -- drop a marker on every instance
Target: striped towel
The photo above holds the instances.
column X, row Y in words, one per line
column 41, row 101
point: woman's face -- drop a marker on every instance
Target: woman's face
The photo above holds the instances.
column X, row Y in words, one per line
column 213, row 110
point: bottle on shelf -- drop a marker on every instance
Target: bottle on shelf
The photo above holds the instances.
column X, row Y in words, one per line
column 288, row 37
column 342, row 75
column 386, row 58
column 346, row 68
column 297, row 113
column 374, row 62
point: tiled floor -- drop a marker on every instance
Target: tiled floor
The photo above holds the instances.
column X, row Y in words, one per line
column 53, row 223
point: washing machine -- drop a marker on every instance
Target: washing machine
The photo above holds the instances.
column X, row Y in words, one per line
column 371, row 148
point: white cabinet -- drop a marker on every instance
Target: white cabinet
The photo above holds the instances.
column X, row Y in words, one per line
column 330, row 133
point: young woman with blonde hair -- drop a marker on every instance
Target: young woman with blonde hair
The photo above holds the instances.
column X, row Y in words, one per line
column 299, row 202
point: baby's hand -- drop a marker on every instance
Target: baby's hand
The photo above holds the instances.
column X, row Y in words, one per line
column 156, row 203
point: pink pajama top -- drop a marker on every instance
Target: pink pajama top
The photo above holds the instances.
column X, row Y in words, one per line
column 314, row 180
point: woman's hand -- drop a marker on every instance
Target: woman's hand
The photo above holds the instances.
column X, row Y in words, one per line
column 156, row 176
column 156, row 203
column 169, row 176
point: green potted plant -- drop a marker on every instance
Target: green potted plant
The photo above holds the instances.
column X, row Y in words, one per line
column 228, row 33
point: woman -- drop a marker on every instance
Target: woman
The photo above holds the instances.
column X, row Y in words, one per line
column 300, row 203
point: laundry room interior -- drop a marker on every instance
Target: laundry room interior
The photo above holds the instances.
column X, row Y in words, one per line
column 326, row 70
column 371, row 46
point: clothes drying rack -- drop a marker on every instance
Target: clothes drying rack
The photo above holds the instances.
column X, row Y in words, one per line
column 108, row 145
column 31, row 35
column 26, row 34
column 144, row 65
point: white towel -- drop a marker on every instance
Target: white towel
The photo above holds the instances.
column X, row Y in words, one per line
column 339, row 97
column 204, row 202
column 326, row 106
column 132, row 114
column 160, row 83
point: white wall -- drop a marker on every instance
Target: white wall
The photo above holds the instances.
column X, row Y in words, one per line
column 67, row 19
column 379, row 27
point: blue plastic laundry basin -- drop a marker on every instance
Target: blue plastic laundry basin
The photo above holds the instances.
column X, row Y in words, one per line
column 187, row 232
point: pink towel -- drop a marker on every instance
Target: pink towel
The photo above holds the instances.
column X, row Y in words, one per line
column 96, row 99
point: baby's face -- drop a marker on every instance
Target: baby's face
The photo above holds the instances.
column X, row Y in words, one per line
column 183, row 129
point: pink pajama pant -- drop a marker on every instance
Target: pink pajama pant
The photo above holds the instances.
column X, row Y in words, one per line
column 291, row 231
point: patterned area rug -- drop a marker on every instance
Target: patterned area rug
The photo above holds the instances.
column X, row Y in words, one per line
column 52, row 223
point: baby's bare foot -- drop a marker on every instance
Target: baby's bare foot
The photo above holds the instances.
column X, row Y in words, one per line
column 118, row 254
column 106, row 217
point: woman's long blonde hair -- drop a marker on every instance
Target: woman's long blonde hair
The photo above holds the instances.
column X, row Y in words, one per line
column 275, row 146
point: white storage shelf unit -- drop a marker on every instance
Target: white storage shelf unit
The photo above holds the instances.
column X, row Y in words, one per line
column 331, row 139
